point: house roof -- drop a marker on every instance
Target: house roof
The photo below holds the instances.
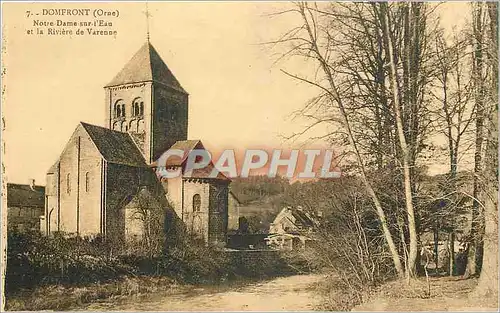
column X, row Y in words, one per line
column 187, row 146
column 114, row 146
column 205, row 173
column 302, row 218
column 23, row 196
column 295, row 216
column 146, row 65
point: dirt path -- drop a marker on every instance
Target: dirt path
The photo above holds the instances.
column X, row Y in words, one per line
column 293, row 293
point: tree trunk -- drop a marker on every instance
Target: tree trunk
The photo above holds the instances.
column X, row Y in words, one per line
column 412, row 255
column 451, row 247
column 436, row 248
column 477, row 215
column 488, row 280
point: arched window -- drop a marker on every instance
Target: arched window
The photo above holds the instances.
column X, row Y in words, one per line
column 196, row 203
column 124, row 126
column 137, row 107
column 87, row 182
column 68, row 183
column 119, row 108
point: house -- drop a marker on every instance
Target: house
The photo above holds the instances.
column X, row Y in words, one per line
column 106, row 179
column 290, row 229
column 25, row 206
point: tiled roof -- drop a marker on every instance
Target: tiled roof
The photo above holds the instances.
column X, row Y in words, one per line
column 205, row 172
column 23, row 196
column 146, row 65
column 295, row 216
column 114, row 146
column 187, row 146
column 301, row 219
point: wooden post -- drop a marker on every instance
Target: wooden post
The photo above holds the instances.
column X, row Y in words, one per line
column 436, row 248
column 451, row 242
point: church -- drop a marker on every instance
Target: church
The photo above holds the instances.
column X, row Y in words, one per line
column 105, row 182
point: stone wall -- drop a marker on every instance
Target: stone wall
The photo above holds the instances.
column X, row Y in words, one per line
column 90, row 188
column 80, row 186
column 170, row 123
column 52, row 199
column 233, row 209
column 196, row 222
column 173, row 189
column 218, row 213
column 122, row 183
column 128, row 93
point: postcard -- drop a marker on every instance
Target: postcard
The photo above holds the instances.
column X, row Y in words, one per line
column 249, row 156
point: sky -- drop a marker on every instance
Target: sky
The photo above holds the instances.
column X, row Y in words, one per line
column 238, row 96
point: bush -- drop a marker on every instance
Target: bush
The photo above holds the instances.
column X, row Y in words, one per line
column 33, row 260
column 40, row 261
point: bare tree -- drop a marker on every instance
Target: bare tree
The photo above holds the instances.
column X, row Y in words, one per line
column 313, row 41
column 488, row 280
column 149, row 212
column 453, row 119
column 478, row 36
column 412, row 257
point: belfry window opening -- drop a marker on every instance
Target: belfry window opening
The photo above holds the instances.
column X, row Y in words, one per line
column 119, row 109
column 138, row 107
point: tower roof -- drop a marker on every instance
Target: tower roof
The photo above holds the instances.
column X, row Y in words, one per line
column 187, row 146
column 146, row 65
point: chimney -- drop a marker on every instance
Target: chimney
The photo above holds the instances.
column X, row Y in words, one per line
column 32, row 184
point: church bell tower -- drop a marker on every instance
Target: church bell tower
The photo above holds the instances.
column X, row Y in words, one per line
column 147, row 101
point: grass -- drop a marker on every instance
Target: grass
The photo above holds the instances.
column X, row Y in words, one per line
column 446, row 294
column 59, row 297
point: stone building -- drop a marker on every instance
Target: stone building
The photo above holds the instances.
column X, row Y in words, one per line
column 25, row 206
column 290, row 229
column 106, row 179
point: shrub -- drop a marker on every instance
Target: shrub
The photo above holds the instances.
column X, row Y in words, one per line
column 34, row 260
column 39, row 261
